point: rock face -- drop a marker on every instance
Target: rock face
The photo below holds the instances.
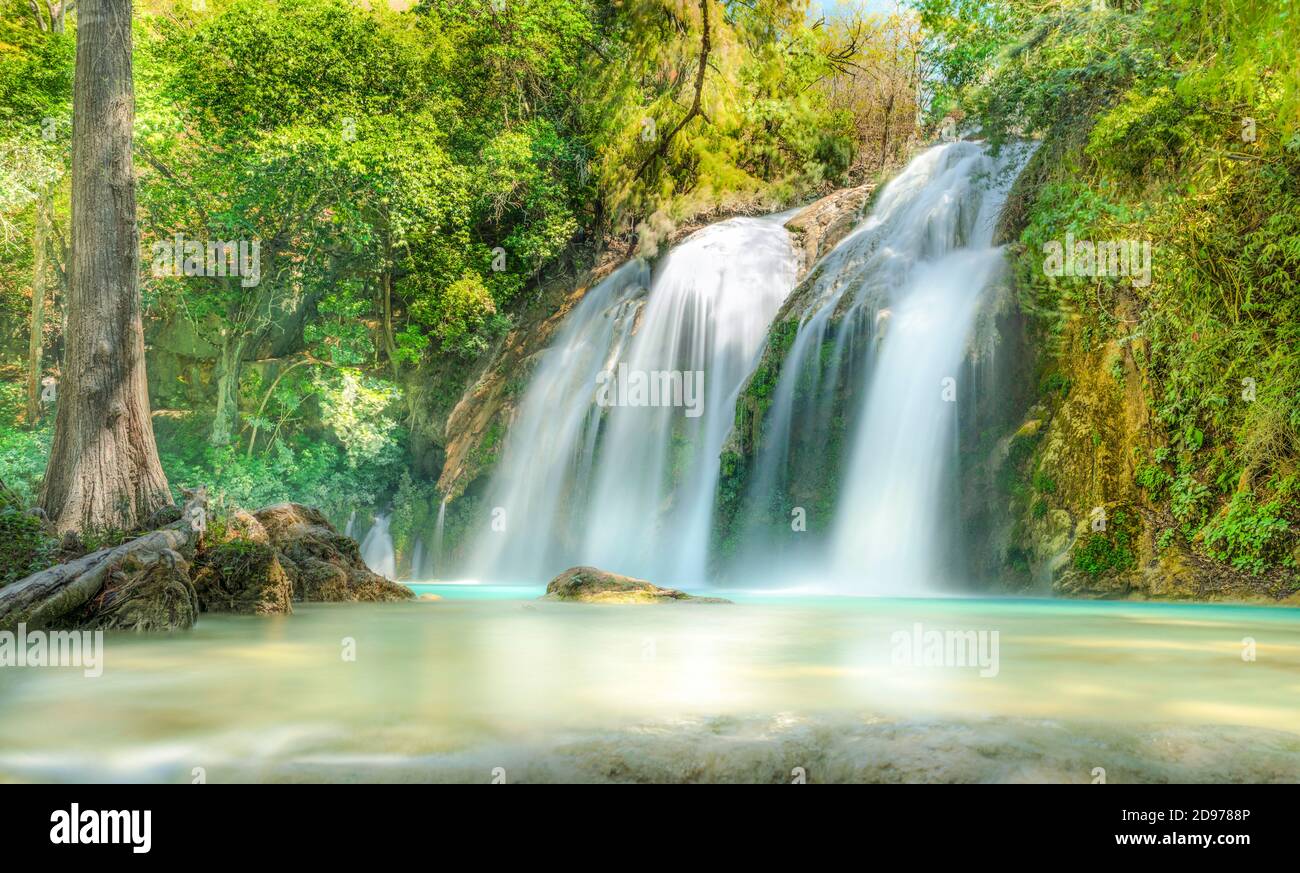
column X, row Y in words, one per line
column 818, row 227
column 320, row 563
column 590, row 585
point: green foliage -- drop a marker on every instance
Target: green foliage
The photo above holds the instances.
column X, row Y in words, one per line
column 966, row 36
column 465, row 318
column 316, row 473
column 1249, row 536
column 353, row 406
column 1107, row 553
column 24, row 547
column 1167, row 122
column 22, row 460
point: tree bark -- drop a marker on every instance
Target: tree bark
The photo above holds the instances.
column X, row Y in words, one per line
column 36, row 337
column 104, row 470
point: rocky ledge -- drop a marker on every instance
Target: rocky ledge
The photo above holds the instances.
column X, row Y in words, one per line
column 592, row 585
column 252, row 563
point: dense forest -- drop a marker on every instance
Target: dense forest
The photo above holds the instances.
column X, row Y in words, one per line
column 347, row 216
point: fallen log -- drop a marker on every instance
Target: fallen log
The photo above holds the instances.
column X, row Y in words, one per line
column 141, row 584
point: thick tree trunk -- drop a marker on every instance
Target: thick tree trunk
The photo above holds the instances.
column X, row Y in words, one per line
column 36, row 338
column 104, row 470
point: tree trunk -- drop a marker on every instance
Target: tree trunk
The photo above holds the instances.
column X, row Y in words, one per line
column 228, row 371
column 884, row 135
column 390, row 345
column 104, row 470
column 36, row 338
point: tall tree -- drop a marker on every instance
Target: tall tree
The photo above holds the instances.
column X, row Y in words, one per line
column 104, row 470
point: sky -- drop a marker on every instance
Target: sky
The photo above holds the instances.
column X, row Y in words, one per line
column 827, row 8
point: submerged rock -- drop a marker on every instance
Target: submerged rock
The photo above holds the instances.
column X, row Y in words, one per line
column 592, row 585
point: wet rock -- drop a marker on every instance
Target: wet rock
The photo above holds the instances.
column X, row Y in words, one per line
column 591, row 585
column 820, row 225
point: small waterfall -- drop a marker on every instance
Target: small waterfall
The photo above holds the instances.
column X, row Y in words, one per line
column 624, row 484
column 417, row 561
column 865, row 406
column 377, row 549
column 437, row 570
column 352, row 522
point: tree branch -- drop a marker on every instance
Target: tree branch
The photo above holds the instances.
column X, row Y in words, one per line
column 662, row 148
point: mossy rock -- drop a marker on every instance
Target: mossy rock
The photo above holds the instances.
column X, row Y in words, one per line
column 242, row 576
column 1104, row 553
column 321, row 563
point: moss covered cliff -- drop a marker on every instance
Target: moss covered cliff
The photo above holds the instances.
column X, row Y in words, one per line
column 1156, row 259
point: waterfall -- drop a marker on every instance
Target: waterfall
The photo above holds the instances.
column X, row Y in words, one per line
column 377, row 549
column 417, row 561
column 859, row 437
column 437, row 538
column 593, row 471
column 866, row 403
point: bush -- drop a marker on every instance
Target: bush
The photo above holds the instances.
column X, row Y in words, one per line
column 24, row 547
column 1109, row 552
column 1250, row 536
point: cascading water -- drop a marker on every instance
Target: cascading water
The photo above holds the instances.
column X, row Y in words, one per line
column 865, row 406
column 591, row 475
column 438, row 537
column 418, row 570
column 377, row 549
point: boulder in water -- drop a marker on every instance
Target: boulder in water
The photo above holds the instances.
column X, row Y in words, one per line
column 321, row 563
column 591, row 585
column 242, row 576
